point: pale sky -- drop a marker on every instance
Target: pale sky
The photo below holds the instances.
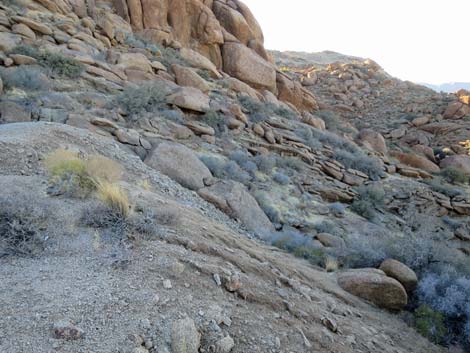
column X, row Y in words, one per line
column 416, row 40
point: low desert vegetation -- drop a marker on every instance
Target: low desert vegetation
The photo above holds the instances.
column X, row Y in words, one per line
column 147, row 97
column 26, row 77
column 166, row 55
column 114, row 197
column 215, row 120
column 72, row 175
column 370, row 198
column 454, row 176
column 22, row 227
column 262, row 111
column 55, row 63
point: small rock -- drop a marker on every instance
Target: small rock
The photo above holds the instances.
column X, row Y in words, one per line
column 185, row 337
column 232, row 283
column 67, row 331
column 330, row 324
column 167, row 284
column 225, row 345
column 217, row 279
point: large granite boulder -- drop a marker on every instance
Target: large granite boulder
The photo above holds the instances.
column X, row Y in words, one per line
column 375, row 286
column 180, row 164
column 234, row 199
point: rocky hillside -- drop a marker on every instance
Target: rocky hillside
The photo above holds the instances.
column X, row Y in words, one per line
column 170, row 186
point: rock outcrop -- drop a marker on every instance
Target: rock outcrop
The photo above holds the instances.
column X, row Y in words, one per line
column 402, row 273
column 180, row 164
column 374, row 286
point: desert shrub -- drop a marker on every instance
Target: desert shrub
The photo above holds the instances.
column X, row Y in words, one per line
column 22, row 226
column 173, row 115
column 454, row 175
column 244, row 160
column 61, row 65
column 326, row 227
column 261, row 111
column 430, row 324
column 268, row 208
column 306, row 134
column 103, row 217
column 448, row 294
column 299, row 244
column 25, row 49
column 74, row 176
column 369, row 199
column 332, row 120
column 226, row 169
column 233, row 171
column 146, row 222
column 438, row 185
column 214, row 164
column 169, row 56
column 68, row 174
column 363, row 208
column 166, row 55
column 289, row 162
column 265, row 162
column 56, row 63
column 335, row 141
column 215, row 120
column 147, row 97
column 281, row 178
column 360, row 161
column 25, row 77
column 114, row 197
column 337, row 208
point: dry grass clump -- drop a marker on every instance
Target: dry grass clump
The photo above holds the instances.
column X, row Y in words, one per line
column 75, row 176
column 114, row 197
column 331, row 264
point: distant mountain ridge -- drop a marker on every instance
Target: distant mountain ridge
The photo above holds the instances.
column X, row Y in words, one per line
column 449, row 87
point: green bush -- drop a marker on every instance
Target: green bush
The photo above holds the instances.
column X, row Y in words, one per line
column 29, row 77
column 56, row 63
column 61, row 65
column 361, row 162
column 430, row 324
column 439, row 185
column 454, row 175
column 261, row 111
column 215, row 120
column 148, row 97
column 369, row 199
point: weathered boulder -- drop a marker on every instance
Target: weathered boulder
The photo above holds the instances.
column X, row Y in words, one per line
column 402, row 273
column 330, row 240
column 372, row 140
column 290, row 91
column 374, row 286
column 461, row 162
column 134, row 61
column 416, row 161
column 185, row 337
column 233, row 198
column 11, row 112
column 189, row 78
column 199, row 61
column 244, row 64
column 457, row 110
column 189, row 98
column 180, row 164
column 233, row 21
